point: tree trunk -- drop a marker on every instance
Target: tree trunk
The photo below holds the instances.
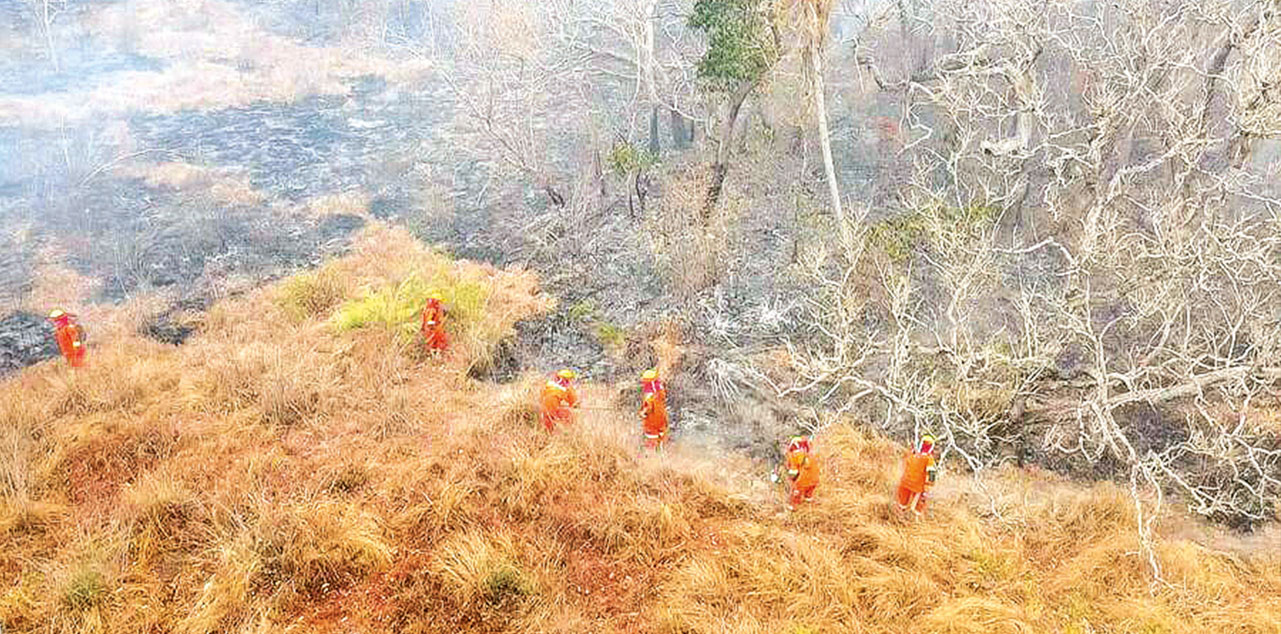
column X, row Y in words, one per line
column 45, row 18
column 721, row 167
column 553, row 195
column 1017, row 409
column 598, row 174
column 642, row 190
column 680, row 134
column 650, row 56
column 824, row 137
column 598, row 164
column 631, row 187
column 654, row 145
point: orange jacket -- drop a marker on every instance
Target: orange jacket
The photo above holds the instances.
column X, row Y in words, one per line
column 70, row 342
column 556, row 400
column 433, row 316
column 654, row 407
column 915, row 472
column 802, row 468
column 434, row 337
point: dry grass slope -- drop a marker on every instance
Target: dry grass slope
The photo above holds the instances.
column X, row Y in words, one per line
column 280, row 473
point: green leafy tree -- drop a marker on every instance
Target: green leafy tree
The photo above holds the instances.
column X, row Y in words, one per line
column 742, row 46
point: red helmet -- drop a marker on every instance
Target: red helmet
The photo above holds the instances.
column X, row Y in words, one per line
column 798, row 443
column 59, row 317
column 926, row 445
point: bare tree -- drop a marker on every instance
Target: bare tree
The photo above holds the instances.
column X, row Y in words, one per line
column 44, row 13
column 528, row 75
column 638, row 57
column 1086, row 263
column 814, row 18
column 509, row 82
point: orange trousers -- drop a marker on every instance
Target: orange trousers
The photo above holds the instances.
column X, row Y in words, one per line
column 435, row 340
column 800, row 494
column 77, row 357
column 655, row 441
column 904, row 498
column 553, row 418
column 71, row 346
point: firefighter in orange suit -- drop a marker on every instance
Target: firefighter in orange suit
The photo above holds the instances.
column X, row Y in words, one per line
column 70, row 337
column 802, row 471
column 557, row 399
column 653, row 410
column 434, row 337
column 919, row 474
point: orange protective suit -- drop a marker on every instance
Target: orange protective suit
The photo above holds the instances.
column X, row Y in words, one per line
column 654, row 413
column 802, row 473
column 70, row 338
column 434, row 337
column 558, row 396
column 917, row 478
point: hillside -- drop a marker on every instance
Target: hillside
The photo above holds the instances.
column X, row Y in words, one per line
column 288, row 471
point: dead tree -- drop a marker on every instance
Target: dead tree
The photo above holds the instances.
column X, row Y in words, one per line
column 1146, row 271
column 508, row 82
column 43, row 14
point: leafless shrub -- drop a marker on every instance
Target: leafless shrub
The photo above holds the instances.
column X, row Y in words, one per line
column 692, row 253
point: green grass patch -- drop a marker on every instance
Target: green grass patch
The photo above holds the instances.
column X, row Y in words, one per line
column 85, row 589
column 582, row 310
column 505, row 584
column 311, row 294
column 1079, row 609
column 398, row 307
column 897, row 237
column 626, row 158
column 610, row 335
column 991, row 567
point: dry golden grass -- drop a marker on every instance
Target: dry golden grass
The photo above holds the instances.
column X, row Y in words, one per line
column 276, row 473
column 222, row 185
column 346, row 203
column 481, row 567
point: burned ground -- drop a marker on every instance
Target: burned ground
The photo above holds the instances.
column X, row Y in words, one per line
column 25, row 339
column 396, row 144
